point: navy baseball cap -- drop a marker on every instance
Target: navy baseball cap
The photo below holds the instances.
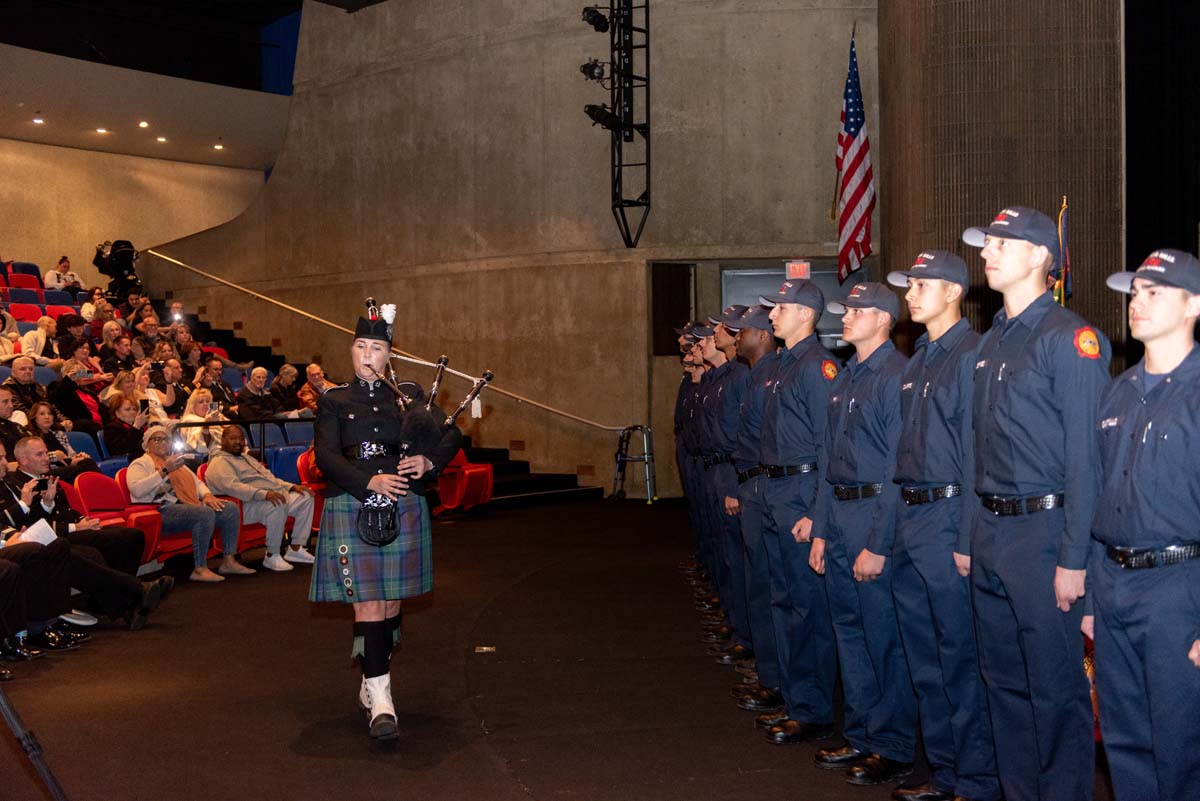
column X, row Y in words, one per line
column 731, row 314
column 700, row 331
column 758, row 317
column 1018, row 222
column 867, row 296
column 798, row 290
column 933, row 264
column 1166, row 267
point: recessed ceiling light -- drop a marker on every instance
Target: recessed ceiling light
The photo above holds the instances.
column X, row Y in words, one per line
column 101, row 130
column 143, row 124
column 162, row 138
column 218, row 147
column 38, row 121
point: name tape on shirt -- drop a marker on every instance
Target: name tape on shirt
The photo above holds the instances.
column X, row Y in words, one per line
column 829, row 369
column 1087, row 343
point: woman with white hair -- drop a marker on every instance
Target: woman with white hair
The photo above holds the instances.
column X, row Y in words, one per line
column 201, row 440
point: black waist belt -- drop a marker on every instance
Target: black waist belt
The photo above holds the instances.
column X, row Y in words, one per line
column 369, row 450
column 716, row 459
column 912, row 497
column 1140, row 558
column 746, row 475
column 781, row 470
column 1005, row 507
column 852, row 492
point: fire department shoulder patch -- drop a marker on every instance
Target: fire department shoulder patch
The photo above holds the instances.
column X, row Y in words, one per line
column 829, row 369
column 1087, row 343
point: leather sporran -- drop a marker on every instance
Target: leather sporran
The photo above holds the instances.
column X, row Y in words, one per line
column 377, row 523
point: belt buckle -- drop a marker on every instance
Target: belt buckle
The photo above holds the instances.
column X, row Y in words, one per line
column 369, row 450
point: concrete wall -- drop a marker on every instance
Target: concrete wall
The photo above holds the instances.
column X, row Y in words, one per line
column 60, row 200
column 438, row 156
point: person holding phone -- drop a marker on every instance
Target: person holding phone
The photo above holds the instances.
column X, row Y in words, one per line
column 77, row 395
column 201, row 440
column 66, row 463
column 123, row 431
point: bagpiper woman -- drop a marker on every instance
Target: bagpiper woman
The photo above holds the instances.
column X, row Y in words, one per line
column 374, row 546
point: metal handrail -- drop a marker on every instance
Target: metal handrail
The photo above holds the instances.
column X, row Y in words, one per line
column 399, row 354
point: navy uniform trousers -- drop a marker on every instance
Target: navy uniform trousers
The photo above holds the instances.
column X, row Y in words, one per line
column 880, row 713
column 799, row 606
column 693, row 487
column 721, row 480
column 751, row 507
column 1148, row 689
column 1031, row 657
column 933, row 608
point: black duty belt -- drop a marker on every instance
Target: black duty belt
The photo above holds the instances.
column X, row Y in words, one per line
column 370, row 450
column 1005, row 507
column 781, row 470
column 852, row 492
column 913, row 497
column 716, row 459
column 1141, row 558
column 746, row 475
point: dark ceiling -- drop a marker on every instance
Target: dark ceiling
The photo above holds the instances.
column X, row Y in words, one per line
column 215, row 41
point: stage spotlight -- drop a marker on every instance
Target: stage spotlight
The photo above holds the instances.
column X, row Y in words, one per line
column 593, row 70
column 603, row 116
column 596, row 18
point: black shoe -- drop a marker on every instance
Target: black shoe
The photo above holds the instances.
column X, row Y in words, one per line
column 716, row 636
column 715, row 623
column 736, row 655
column 744, row 688
column 750, row 672
column 71, row 633
column 13, row 649
column 922, row 792
column 843, row 756
column 50, row 640
column 791, row 732
column 765, row 701
column 6, row 674
column 769, row 719
column 876, row 769
column 710, row 603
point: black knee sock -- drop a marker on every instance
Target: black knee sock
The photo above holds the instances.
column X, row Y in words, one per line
column 377, row 648
column 358, row 646
column 394, row 626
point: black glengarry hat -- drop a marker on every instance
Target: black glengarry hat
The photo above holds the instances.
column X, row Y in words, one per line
column 378, row 322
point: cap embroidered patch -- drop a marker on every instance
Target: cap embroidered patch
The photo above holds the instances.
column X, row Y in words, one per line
column 1087, row 343
column 829, row 369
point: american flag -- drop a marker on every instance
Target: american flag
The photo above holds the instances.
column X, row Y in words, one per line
column 856, row 182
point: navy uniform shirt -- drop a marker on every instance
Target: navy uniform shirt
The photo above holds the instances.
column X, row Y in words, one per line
column 685, row 386
column 722, row 403
column 937, row 444
column 1148, row 447
column 793, row 427
column 861, row 436
column 1038, row 379
column 692, row 415
column 750, row 415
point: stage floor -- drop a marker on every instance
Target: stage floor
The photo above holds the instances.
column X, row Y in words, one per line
column 598, row 688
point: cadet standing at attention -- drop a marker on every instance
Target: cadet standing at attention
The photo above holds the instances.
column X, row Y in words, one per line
column 1039, row 373
column 853, row 532
column 1145, row 566
column 935, row 468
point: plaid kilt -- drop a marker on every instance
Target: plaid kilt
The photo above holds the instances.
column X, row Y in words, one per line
column 348, row 569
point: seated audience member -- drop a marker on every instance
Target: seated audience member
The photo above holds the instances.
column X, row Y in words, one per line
column 265, row 499
column 13, row 423
column 65, row 462
column 71, row 328
column 222, row 393
column 172, row 393
column 35, row 588
column 314, row 387
column 26, row 391
column 114, row 590
column 121, row 357
column 201, row 440
column 134, row 384
column 124, row 430
column 103, row 314
column 63, row 277
column 285, row 390
column 161, row 478
column 108, row 338
column 174, row 318
column 164, row 350
column 39, row 344
column 193, row 360
column 254, row 401
column 87, row 309
column 132, row 306
column 9, row 329
column 76, row 396
column 144, row 344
